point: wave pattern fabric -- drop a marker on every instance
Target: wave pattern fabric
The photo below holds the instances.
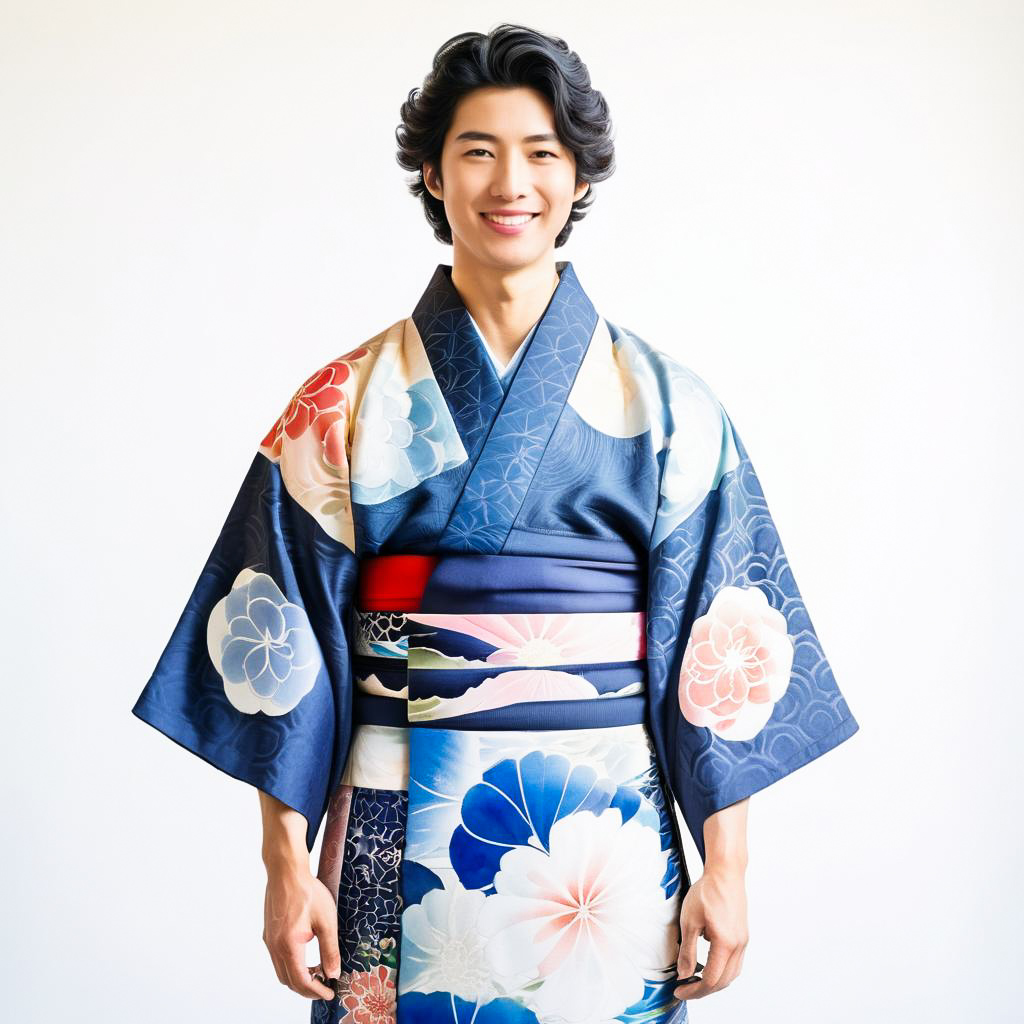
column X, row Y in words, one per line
column 492, row 632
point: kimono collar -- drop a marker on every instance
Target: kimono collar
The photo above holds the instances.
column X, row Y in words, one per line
column 501, row 428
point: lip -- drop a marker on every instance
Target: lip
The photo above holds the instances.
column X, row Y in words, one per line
column 508, row 229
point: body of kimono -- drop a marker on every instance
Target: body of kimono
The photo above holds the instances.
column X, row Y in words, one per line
column 495, row 624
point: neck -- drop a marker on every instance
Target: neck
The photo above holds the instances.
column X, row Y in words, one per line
column 505, row 302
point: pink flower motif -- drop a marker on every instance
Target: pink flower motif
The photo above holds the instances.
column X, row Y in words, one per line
column 737, row 664
column 562, row 638
column 319, row 405
column 368, row 997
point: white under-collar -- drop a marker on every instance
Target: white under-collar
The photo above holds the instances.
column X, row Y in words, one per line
column 502, row 370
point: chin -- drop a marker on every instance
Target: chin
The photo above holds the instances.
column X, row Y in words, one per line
column 519, row 248
column 520, row 258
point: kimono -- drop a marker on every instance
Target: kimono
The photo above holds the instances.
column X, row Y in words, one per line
column 492, row 627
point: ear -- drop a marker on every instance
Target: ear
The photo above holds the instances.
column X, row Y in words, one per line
column 581, row 190
column 432, row 181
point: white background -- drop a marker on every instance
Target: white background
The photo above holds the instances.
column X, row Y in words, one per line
column 818, row 207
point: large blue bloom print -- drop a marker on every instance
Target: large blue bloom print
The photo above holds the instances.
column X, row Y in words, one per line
column 263, row 646
column 517, row 803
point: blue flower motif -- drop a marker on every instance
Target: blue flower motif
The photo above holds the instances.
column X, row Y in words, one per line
column 657, row 1003
column 263, row 646
column 417, row 881
column 517, row 802
column 446, row 1008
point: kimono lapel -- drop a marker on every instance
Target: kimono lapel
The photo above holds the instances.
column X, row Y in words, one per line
column 504, row 433
column 461, row 367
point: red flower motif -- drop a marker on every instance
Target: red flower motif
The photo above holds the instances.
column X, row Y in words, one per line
column 319, row 405
column 370, row 998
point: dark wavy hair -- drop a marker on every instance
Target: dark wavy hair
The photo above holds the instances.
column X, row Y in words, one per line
column 509, row 55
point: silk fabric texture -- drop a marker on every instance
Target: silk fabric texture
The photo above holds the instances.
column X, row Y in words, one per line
column 597, row 455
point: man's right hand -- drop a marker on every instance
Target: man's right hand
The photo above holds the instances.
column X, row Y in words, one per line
column 297, row 905
column 296, row 908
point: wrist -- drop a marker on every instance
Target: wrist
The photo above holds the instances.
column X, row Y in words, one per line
column 731, row 866
column 284, row 837
column 725, row 839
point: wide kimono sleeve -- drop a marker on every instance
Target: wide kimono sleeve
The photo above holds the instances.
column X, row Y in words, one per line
column 256, row 677
column 742, row 693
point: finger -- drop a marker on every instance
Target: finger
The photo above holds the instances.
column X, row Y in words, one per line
column 276, row 961
column 686, row 964
column 282, row 975
column 299, row 978
column 718, row 957
column 326, row 932
column 317, row 974
column 732, row 968
column 739, row 963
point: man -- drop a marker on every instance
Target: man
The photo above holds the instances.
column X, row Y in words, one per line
column 563, row 617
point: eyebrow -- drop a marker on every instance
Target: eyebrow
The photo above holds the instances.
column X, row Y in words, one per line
column 487, row 137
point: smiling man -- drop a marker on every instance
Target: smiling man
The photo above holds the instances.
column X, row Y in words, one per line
column 500, row 593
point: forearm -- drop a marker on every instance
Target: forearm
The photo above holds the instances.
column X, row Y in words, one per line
column 284, row 836
column 725, row 838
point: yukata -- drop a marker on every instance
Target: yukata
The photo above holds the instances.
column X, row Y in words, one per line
column 492, row 627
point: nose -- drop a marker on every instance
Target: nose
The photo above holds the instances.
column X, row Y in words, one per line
column 511, row 175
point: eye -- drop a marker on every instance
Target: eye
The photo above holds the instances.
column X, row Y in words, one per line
column 539, row 152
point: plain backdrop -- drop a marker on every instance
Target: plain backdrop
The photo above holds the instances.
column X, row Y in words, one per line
column 818, row 207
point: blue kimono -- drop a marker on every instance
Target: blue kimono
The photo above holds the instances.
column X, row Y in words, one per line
column 494, row 626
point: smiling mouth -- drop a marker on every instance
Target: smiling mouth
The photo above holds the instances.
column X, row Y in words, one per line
column 522, row 218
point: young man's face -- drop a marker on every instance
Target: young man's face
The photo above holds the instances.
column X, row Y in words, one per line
column 492, row 160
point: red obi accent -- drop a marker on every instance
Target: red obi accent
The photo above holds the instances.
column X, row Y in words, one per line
column 393, row 583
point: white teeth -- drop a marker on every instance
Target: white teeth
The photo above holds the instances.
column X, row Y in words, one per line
column 522, row 219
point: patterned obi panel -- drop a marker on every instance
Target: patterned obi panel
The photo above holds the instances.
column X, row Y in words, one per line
column 483, row 641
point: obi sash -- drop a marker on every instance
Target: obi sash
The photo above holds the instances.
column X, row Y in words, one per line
column 493, row 641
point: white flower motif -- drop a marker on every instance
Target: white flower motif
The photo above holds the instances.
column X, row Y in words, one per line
column 263, row 646
column 442, row 950
column 590, row 919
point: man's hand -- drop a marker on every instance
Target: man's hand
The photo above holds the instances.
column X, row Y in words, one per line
column 297, row 905
column 296, row 908
column 715, row 906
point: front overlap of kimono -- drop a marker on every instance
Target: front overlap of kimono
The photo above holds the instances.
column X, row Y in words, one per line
column 596, row 457
column 500, row 719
